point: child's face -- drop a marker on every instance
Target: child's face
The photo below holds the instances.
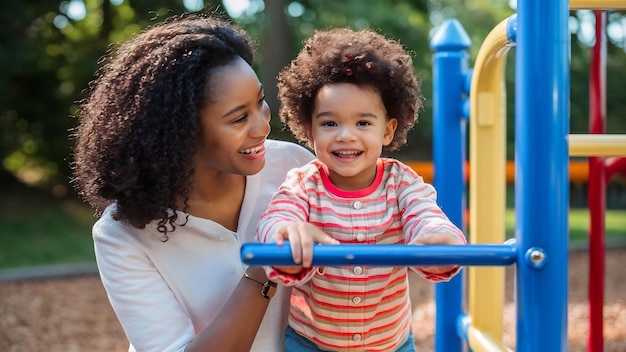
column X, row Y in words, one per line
column 349, row 128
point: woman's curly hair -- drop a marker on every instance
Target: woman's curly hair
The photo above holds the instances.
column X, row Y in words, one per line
column 139, row 126
column 362, row 57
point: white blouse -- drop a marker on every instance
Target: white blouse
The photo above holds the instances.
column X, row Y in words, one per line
column 164, row 293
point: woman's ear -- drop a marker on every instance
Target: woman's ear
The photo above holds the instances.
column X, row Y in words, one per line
column 390, row 131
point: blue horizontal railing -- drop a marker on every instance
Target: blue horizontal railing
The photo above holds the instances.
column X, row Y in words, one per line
column 385, row 254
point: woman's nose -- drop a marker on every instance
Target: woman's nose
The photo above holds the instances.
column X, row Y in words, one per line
column 261, row 123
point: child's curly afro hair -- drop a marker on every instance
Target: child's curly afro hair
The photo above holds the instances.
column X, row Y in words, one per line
column 362, row 57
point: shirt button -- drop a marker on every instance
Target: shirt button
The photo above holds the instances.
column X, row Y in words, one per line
column 357, row 270
column 356, row 337
column 356, row 300
column 360, row 237
column 357, row 205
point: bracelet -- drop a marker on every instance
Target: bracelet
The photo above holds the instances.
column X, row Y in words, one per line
column 268, row 288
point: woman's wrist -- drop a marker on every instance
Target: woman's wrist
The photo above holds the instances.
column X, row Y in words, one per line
column 257, row 276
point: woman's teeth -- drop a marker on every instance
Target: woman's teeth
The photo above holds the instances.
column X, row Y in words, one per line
column 251, row 150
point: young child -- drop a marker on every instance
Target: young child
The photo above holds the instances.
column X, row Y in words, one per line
column 350, row 95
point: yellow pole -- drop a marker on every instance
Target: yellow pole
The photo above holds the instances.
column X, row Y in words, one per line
column 597, row 144
column 482, row 342
column 488, row 179
column 597, row 4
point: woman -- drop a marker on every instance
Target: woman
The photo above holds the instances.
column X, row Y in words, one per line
column 172, row 151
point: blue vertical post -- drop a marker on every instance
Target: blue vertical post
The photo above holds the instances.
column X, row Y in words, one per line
column 541, row 173
column 450, row 60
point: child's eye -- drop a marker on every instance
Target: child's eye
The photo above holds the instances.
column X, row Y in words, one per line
column 329, row 123
column 363, row 123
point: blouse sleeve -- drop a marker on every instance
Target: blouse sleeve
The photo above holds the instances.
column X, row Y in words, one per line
column 138, row 294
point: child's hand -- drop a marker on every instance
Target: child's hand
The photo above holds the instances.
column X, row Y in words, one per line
column 439, row 238
column 301, row 236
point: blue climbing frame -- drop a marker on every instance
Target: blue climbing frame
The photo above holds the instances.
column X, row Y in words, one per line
column 540, row 249
column 541, row 154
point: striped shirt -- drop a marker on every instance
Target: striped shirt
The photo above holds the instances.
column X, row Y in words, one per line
column 355, row 308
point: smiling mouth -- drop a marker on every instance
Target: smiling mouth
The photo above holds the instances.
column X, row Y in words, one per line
column 348, row 154
column 251, row 150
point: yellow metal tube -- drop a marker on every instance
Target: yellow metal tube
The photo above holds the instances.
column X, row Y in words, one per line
column 597, row 144
column 482, row 342
column 597, row 4
column 487, row 162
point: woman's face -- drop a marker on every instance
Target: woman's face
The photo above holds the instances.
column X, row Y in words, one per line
column 235, row 122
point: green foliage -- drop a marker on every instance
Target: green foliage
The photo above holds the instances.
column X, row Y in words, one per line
column 48, row 57
column 47, row 60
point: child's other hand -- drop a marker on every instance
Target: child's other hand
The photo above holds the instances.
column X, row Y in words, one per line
column 301, row 236
column 439, row 238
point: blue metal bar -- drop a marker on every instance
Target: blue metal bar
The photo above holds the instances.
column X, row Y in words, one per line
column 384, row 255
column 463, row 324
column 541, row 173
column 450, row 44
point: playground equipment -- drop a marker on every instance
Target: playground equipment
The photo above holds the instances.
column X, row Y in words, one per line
column 600, row 172
column 542, row 148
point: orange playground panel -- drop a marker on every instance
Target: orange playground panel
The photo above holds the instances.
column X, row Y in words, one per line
column 578, row 170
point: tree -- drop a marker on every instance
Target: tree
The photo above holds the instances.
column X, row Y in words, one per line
column 49, row 52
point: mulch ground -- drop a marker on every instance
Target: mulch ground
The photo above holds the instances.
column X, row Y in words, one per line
column 73, row 314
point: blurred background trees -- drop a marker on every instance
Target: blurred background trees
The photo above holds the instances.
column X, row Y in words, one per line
column 49, row 52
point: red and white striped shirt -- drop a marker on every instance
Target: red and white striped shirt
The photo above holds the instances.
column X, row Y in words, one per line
column 353, row 307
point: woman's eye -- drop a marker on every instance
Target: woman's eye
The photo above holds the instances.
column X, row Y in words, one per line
column 262, row 100
column 241, row 119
